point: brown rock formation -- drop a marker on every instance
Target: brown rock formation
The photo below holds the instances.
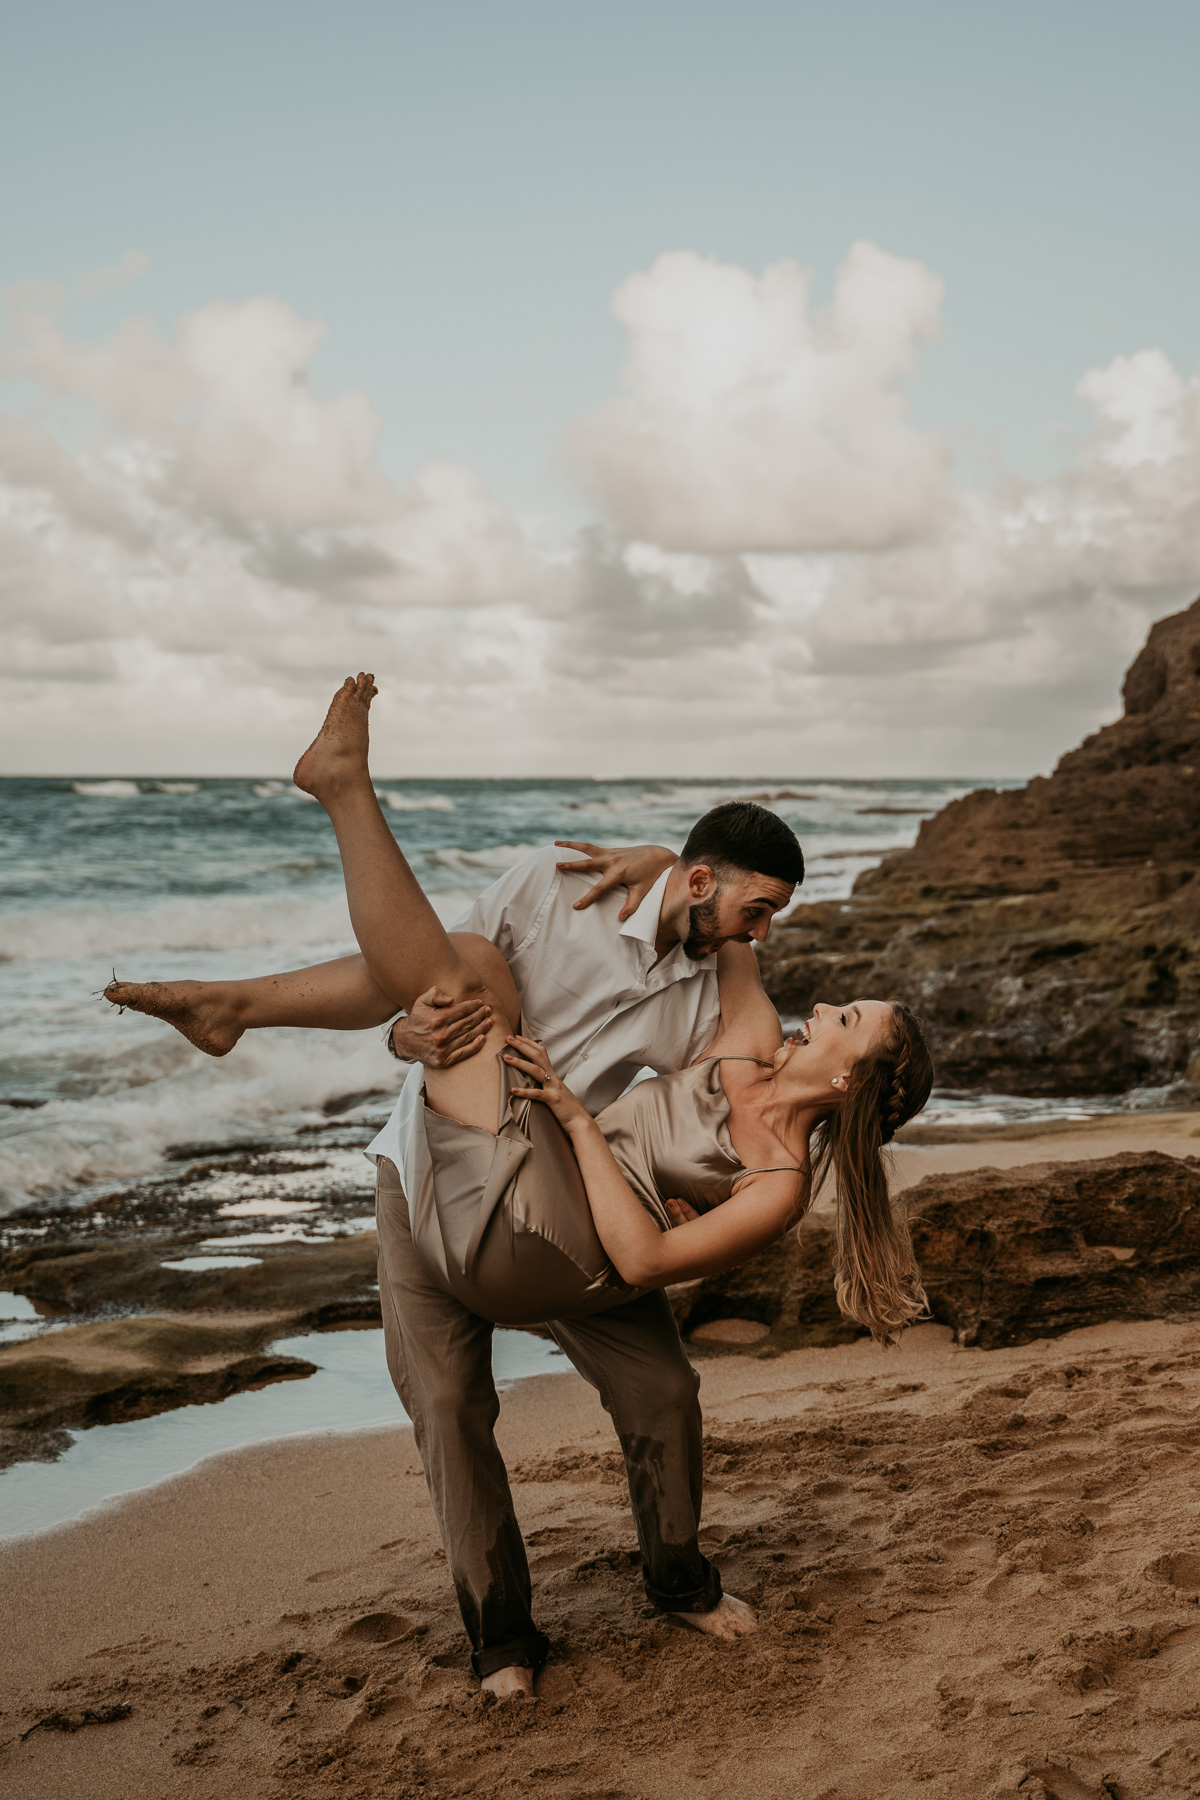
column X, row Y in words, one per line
column 1007, row 1255
column 127, row 1369
column 310, row 1284
column 1049, row 936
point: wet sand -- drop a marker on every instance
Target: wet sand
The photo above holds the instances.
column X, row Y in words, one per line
column 978, row 1573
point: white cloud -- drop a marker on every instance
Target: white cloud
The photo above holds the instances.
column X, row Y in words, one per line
column 749, row 422
column 195, row 545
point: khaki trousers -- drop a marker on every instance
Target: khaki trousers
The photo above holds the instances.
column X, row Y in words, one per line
column 439, row 1356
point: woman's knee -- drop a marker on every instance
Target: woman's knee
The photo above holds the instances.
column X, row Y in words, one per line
column 491, row 972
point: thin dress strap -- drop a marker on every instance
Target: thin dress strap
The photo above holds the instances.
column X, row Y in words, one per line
column 764, row 1062
column 770, row 1169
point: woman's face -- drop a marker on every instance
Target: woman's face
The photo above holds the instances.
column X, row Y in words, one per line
column 818, row 1060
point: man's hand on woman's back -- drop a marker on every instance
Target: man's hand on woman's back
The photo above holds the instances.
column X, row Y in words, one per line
column 635, row 866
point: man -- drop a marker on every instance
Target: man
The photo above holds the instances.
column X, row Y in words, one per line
column 610, row 989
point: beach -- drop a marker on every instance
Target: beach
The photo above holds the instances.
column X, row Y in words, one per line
column 974, row 1571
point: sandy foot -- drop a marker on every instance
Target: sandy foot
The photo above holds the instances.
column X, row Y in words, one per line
column 730, row 1619
column 193, row 1007
column 515, row 1683
column 339, row 750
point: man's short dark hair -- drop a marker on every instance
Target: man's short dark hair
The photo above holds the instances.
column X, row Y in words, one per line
column 746, row 836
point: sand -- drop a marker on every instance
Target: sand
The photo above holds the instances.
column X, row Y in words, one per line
column 977, row 1574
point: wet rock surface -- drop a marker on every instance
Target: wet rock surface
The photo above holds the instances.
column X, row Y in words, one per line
column 273, row 1239
column 131, row 1368
column 1007, row 1256
column 1049, row 936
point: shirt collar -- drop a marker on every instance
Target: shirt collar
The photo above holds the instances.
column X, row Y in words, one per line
column 644, row 923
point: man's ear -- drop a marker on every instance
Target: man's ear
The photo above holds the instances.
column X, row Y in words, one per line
column 701, row 881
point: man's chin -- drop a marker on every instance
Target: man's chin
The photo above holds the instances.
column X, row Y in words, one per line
column 698, row 952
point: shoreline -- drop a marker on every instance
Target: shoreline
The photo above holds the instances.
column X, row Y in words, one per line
column 971, row 1560
column 139, row 1325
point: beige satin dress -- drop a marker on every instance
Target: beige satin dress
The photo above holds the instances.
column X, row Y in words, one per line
column 502, row 1221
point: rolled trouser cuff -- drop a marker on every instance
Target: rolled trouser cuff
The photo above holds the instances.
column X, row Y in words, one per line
column 527, row 1651
column 689, row 1600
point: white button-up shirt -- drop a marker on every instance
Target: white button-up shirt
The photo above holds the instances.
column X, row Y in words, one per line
column 589, row 986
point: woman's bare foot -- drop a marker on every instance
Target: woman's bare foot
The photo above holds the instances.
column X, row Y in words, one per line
column 729, row 1618
column 339, row 751
column 515, row 1683
column 197, row 1008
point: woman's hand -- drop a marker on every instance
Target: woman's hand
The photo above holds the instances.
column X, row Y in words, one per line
column 635, row 866
column 680, row 1212
column 531, row 1059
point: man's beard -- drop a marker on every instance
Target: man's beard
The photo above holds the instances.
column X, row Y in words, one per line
column 702, row 936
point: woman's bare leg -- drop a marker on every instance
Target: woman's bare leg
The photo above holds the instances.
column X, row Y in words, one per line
column 406, row 947
column 331, row 996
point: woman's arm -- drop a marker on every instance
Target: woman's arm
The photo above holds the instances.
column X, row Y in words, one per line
column 646, row 1257
column 643, row 1255
column 749, row 1023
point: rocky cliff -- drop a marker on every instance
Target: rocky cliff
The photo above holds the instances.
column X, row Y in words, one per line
column 1049, row 936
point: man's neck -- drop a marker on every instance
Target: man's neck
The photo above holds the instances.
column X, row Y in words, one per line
column 667, row 935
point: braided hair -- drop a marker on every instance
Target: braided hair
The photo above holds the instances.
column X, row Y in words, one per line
column 876, row 1277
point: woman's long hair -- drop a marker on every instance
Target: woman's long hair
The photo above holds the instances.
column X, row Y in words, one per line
column 875, row 1273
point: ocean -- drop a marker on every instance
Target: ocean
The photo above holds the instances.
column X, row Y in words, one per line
column 170, row 878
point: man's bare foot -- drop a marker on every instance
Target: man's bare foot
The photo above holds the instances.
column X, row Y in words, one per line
column 194, row 1007
column 339, row 750
column 515, row 1683
column 729, row 1618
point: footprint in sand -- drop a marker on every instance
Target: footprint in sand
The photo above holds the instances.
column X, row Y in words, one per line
column 379, row 1628
column 1179, row 1571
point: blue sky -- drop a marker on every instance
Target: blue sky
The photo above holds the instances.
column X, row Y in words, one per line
column 456, row 192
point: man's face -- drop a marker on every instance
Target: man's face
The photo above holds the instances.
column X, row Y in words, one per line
column 732, row 907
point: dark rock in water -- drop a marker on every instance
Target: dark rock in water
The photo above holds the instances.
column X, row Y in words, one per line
column 313, row 1284
column 1049, row 936
column 1007, row 1255
column 344, row 1103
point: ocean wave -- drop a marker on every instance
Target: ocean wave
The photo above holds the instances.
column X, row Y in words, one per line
column 302, row 927
column 107, row 790
column 177, row 787
column 416, row 802
column 494, row 861
column 280, row 1079
column 279, row 790
column 218, row 922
